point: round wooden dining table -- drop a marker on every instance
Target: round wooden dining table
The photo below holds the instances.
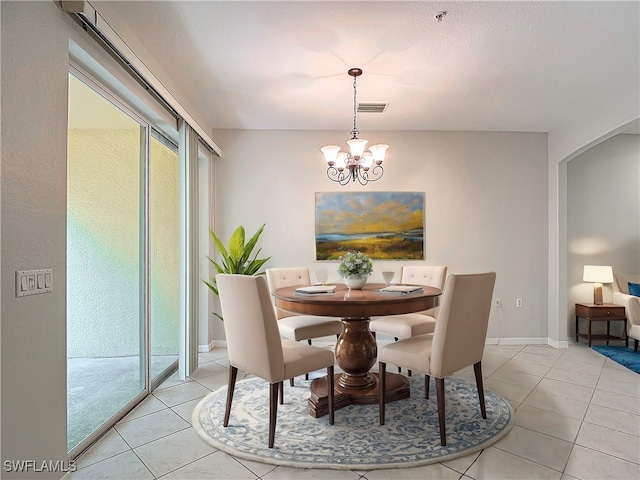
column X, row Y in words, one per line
column 356, row 350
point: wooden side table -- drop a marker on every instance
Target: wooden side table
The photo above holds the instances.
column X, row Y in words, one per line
column 600, row 313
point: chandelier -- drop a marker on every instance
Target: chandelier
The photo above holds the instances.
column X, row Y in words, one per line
column 356, row 164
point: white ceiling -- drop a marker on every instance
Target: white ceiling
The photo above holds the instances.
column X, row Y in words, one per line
column 488, row 66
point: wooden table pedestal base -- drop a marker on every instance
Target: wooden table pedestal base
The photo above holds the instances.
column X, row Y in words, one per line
column 397, row 389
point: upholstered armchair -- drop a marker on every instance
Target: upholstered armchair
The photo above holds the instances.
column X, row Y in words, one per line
column 621, row 296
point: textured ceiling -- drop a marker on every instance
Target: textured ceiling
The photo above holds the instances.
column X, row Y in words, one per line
column 498, row 66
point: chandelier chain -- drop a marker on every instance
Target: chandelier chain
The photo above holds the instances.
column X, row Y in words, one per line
column 355, row 131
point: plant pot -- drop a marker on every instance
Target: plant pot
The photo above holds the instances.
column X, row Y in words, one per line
column 355, row 282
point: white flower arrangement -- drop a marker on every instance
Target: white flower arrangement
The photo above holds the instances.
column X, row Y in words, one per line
column 355, row 263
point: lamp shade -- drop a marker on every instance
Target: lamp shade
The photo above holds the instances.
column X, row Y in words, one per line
column 378, row 151
column 357, row 146
column 367, row 159
column 330, row 153
column 341, row 160
column 598, row 274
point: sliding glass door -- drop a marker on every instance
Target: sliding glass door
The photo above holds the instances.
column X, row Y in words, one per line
column 122, row 259
column 164, row 255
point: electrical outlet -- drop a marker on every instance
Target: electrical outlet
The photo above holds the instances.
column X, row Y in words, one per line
column 497, row 303
column 518, row 303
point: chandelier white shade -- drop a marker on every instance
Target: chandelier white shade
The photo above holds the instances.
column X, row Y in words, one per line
column 357, row 164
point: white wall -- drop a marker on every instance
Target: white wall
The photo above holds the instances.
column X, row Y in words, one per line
column 34, row 144
column 485, row 197
column 603, row 220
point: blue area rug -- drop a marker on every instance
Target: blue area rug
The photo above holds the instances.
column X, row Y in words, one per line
column 625, row 356
column 409, row 438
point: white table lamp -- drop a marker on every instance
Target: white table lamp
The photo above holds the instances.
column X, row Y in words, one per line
column 598, row 274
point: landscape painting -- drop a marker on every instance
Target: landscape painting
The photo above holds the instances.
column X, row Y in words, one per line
column 383, row 225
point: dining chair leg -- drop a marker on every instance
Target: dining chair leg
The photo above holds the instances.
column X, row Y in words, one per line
column 306, row 375
column 477, row 369
column 331, row 393
column 409, row 372
column 233, row 374
column 382, row 379
column 291, row 382
column 440, row 397
column 395, row 339
column 273, row 411
column 426, row 386
column 281, row 392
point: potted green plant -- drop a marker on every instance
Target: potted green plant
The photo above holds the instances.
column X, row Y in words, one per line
column 355, row 267
column 236, row 258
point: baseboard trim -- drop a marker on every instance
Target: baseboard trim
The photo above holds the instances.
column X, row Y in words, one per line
column 528, row 341
column 558, row 343
column 211, row 346
column 517, row 341
column 489, row 341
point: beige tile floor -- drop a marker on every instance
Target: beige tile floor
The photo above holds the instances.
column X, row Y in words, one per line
column 577, row 416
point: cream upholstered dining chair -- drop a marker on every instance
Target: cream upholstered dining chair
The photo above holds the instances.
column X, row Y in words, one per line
column 457, row 341
column 254, row 344
column 412, row 324
column 292, row 325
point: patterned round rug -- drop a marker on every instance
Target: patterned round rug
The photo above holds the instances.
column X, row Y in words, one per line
column 410, row 436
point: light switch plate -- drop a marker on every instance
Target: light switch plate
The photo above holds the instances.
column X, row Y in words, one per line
column 34, row 282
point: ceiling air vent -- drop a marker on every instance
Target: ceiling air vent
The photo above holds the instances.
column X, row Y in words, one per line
column 372, row 107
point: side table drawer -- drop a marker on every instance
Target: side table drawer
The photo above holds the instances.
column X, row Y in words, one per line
column 582, row 311
column 613, row 312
